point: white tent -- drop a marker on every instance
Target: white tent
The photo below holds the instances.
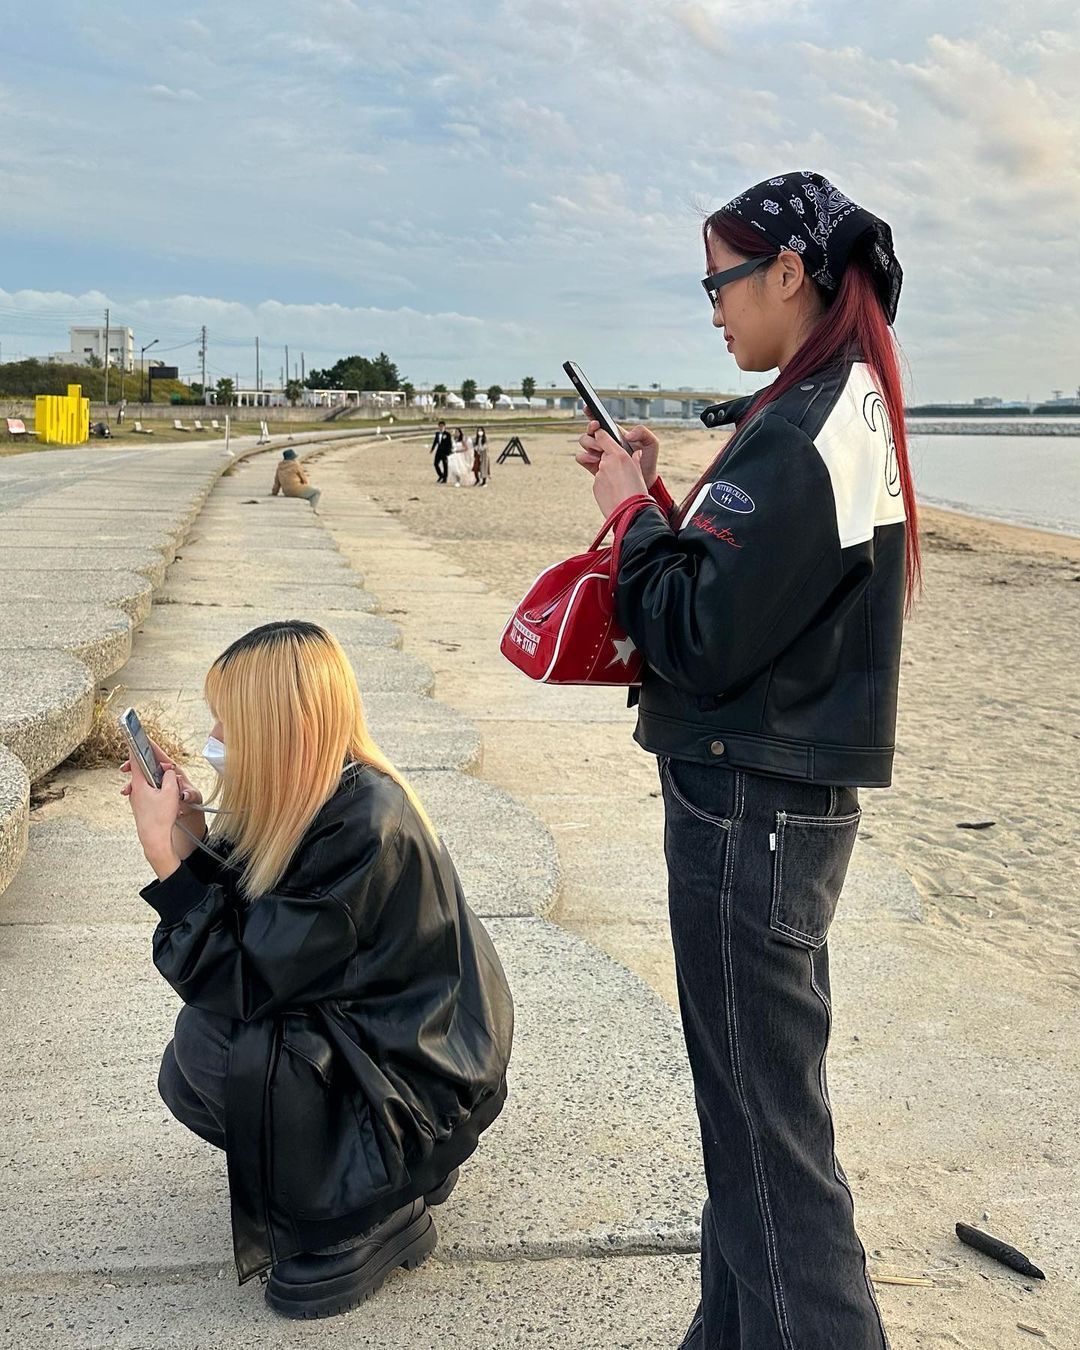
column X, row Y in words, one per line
column 454, row 401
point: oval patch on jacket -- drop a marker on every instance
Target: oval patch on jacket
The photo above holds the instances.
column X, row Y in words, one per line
column 731, row 498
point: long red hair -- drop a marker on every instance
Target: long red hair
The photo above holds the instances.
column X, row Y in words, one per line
column 854, row 321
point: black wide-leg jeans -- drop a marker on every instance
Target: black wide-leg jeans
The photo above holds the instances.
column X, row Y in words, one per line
column 755, row 868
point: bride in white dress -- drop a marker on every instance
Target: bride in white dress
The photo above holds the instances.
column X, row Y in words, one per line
column 460, row 462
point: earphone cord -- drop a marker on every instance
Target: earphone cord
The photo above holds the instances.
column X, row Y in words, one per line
column 205, row 847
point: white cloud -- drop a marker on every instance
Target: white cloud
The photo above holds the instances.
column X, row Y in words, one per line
column 538, row 169
column 174, row 95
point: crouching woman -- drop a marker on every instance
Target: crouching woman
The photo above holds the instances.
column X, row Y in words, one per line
column 347, row 1023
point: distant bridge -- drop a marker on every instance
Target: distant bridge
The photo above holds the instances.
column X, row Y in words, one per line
column 630, row 404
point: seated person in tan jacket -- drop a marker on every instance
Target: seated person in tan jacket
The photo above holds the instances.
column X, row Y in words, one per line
column 291, row 480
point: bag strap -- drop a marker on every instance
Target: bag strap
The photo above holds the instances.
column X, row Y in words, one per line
column 631, row 503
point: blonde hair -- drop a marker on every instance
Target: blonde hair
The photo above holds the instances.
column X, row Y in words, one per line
column 292, row 719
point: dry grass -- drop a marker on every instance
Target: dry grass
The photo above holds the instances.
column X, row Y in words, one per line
column 106, row 746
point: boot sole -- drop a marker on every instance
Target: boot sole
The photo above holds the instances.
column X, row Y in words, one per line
column 441, row 1194
column 408, row 1249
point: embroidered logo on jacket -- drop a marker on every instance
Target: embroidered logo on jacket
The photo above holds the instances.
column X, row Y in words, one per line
column 707, row 524
column 731, row 498
column 877, row 419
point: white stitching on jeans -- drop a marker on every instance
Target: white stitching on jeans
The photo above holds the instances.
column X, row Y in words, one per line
column 718, row 821
column 764, row 1210
column 836, row 1162
column 813, row 939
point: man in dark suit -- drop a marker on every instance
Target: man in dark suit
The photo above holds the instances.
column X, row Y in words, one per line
column 441, row 447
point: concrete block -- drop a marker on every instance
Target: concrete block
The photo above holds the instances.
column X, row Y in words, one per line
column 211, row 539
column 596, row 1152
column 418, row 733
column 14, row 815
column 98, row 635
column 250, row 588
column 125, row 590
column 505, row 855
column 633, row 1303
column 96, row 529
column 149, row 562
column 46, row 702
column 158, row 669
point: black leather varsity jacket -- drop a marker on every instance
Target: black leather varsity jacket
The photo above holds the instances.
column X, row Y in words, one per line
column 769, row 611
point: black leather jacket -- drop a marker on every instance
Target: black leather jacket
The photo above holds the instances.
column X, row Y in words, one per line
column 770, row 612
column 373, row 1020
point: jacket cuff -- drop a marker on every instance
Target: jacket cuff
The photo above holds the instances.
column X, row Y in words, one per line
column 203, row 867
column 176, row 896
column 662, row 497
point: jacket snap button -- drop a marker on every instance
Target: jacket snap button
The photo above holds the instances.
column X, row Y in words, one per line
column 710, row 418
column 806, row 386
column 717, row 748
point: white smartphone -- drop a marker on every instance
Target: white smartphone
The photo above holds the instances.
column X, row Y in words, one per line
column 142, row 752
column 592, row 401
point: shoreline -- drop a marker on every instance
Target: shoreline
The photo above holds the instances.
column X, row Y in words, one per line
column 987, row 700
column 1007, row 535
column 926, row 1007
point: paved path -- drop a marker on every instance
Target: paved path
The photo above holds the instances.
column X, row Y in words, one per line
column 575, row 1225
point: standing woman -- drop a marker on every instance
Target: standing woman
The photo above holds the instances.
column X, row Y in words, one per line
column 768, row 609
column 346, row 1024
column 481, row 460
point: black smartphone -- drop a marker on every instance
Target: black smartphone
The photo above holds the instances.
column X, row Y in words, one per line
column 592, row 401
column 142, row 752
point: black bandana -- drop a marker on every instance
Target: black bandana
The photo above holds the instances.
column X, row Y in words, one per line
column 804, row 212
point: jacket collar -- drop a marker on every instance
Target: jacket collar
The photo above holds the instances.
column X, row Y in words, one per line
column 792, row 403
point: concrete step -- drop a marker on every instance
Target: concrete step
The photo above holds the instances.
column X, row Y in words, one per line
column 99, row 635
column 633, row 1303
column 14, row 814
column 128, row 591
column 505, row 856
column 150, row 562
column 596, row 1152
column 46, row 702
column 248, row 586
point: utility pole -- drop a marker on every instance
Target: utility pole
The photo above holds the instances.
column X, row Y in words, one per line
column 258, row 381
column 286, row 365
column 106, row 361
column 302, row 375
column 202, row 353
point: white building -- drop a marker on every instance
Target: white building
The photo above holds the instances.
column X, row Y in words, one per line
column 90, row 342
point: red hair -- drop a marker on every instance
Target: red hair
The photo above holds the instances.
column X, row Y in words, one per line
column 854, row 321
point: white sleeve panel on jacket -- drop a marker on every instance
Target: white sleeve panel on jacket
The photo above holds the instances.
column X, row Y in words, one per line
column 857, row 446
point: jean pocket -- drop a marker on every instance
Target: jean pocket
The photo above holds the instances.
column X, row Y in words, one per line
column 810, row 861
column 709, row 794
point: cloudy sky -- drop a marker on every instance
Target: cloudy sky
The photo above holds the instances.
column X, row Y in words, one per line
column 487, row 189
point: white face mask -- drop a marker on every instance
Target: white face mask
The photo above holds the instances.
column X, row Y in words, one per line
column 214, row 753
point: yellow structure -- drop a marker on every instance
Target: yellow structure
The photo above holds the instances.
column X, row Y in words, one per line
column 61, row 419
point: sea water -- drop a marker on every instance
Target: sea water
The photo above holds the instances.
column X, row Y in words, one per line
column 1026, row 480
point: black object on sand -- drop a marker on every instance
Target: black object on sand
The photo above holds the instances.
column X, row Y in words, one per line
column 1000, row 1251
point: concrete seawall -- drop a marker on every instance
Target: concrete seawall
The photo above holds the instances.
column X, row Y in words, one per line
column 85, row 537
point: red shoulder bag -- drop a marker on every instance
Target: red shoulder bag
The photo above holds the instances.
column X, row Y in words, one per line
column 565, row 631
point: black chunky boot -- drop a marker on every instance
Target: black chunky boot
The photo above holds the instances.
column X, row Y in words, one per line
column 441, row 1194
column 324, row 1284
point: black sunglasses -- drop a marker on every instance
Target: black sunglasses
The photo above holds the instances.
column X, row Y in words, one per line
column 712, row 284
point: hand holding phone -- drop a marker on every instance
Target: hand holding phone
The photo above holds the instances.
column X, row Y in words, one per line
column 595, row 405
column 142, row 752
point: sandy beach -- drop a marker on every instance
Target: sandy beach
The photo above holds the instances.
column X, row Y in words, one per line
column 989, row 726
column 953, row 1054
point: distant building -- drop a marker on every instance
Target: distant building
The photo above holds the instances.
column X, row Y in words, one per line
column 90, row 342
